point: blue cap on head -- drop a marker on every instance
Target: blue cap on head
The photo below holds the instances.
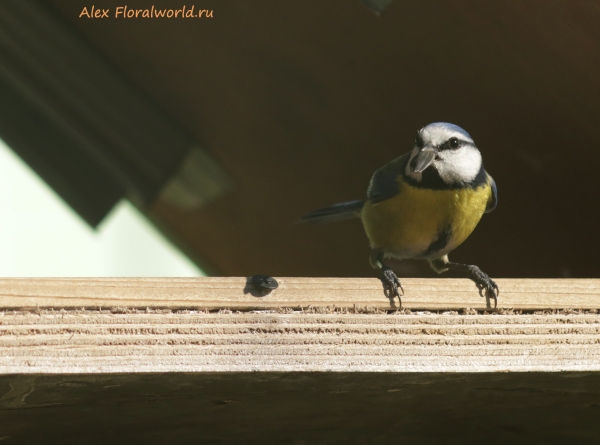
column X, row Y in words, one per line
column 447, row 126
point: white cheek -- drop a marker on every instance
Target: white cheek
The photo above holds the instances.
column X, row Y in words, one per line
column 461, row 165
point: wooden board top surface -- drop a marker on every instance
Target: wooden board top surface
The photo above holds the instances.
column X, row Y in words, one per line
column 237, row 293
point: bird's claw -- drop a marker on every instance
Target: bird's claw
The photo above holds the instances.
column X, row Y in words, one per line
column 391, row 284
column 484, row 283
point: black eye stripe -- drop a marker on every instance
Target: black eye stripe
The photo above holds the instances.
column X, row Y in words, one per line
column 447, row 145
column 419, row 140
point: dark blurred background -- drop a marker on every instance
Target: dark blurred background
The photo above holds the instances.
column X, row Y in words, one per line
column 294, row 104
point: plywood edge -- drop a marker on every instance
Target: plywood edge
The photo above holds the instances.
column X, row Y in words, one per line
column 308, row 324
column 104, row 342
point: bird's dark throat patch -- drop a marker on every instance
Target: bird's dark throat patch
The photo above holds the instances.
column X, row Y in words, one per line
column 431, row 179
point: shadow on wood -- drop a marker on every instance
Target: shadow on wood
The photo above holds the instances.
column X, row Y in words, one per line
column 301, row 408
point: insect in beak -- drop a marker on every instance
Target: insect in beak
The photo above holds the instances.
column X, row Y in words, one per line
column 423, row 159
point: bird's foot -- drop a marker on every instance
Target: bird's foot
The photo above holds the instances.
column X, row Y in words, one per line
column 484, row 283
column 391, row 284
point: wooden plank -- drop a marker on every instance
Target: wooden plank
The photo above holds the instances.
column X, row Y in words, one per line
column 308, row 324
column 300, row 408
column 236, row 294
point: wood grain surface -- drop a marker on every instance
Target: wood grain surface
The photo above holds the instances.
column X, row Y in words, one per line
column 236, row 293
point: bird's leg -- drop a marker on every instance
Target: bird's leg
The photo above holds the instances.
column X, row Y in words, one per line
column 390, row 281
column 481, row 279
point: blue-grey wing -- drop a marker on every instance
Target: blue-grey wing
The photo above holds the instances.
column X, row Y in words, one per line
column 493, row 201
column 384, row 183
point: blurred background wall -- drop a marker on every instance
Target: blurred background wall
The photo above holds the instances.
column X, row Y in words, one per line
column 292, row 105
column 42, row 236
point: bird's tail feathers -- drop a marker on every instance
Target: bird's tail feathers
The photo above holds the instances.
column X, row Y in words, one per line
column 336, row 212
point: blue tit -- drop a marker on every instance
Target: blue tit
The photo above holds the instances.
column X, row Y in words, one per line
column 423, row 205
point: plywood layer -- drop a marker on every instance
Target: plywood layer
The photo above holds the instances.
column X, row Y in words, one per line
column 97, row 342
column 213, row 325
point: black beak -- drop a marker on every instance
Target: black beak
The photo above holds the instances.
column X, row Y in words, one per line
column 423, row 160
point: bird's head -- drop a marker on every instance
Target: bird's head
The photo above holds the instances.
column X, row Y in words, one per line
column 449, row 150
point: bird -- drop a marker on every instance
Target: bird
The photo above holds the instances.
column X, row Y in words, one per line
column 422, row 205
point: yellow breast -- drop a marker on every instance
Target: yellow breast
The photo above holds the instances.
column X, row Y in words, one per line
column 406, row 225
